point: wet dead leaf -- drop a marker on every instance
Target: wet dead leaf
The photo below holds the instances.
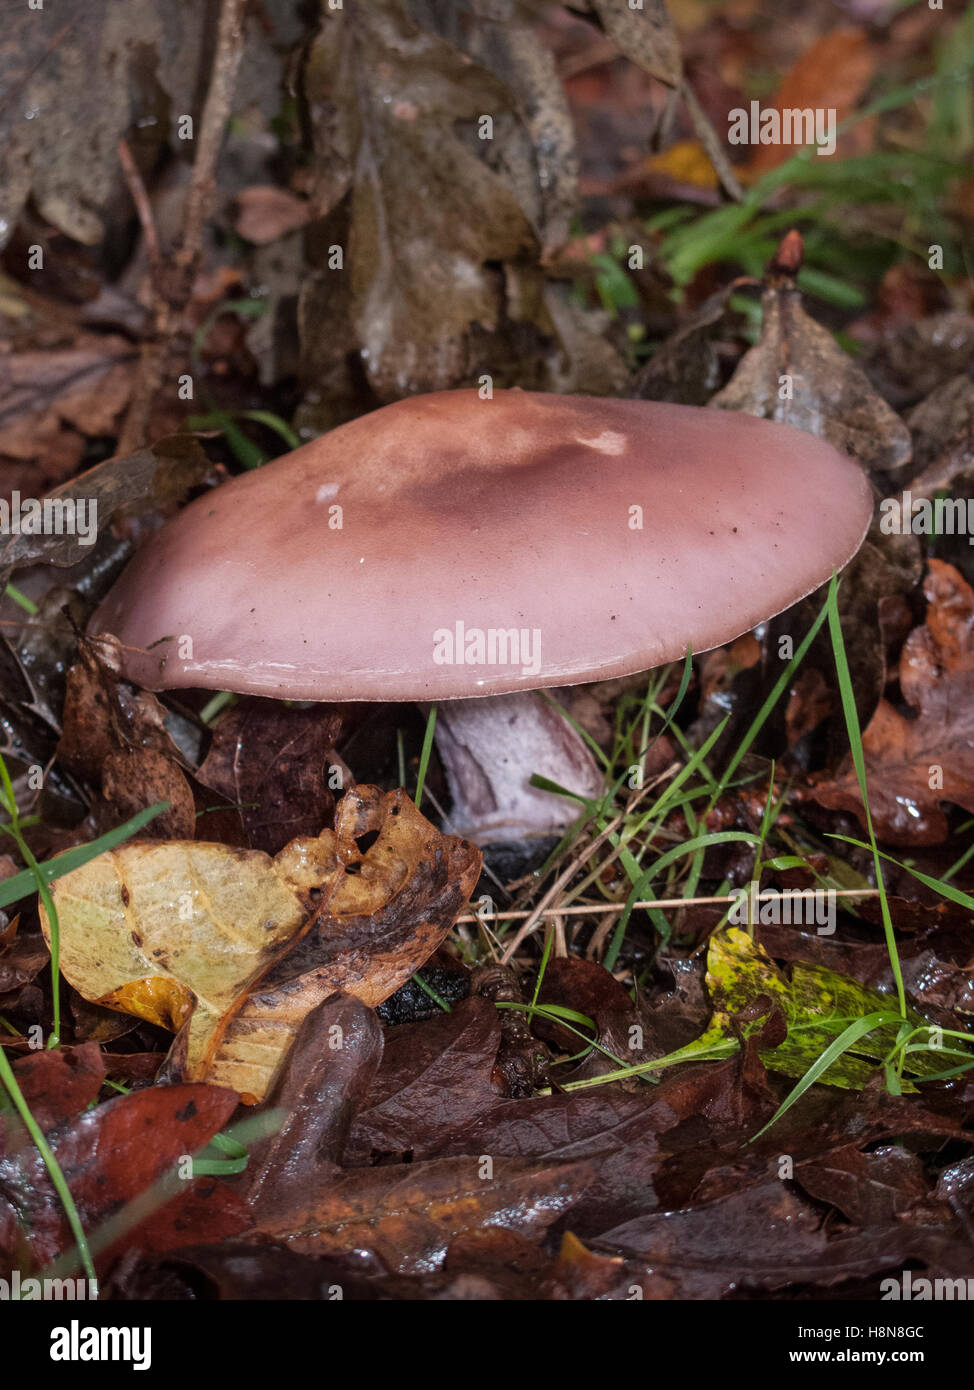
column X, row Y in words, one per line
column 322, row 1083
column 59, row 1083
column 275, row 766
column 180, row 932
column 386, row 914
column 78, row 74
column 149, row 480
column 913, row 765
column 109, row 1156
column 831, row 397
column 116, row 737
column 409, row 1214
column 175, row 932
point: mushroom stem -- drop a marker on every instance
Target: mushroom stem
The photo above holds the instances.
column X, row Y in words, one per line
column 491, row 747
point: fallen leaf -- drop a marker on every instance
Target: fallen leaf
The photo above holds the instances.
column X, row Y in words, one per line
column 434, row 1079
column 832, row 75
column 148, row 480
column 175, row 931
column 116, row 737
column 110, row 1156
column 645, row 35
column 388, row 912
column 84, row 387
column 686, row 367
column 324, row 1079
column 265, row 213
column 276, row 766
column 817, row 1004
column 904, row 755
column 916, row 358
column 60, row 1082
column 408, row 1215
column 766, row 1237
column 180, row 932
column 870, row 1189
column 830, row 395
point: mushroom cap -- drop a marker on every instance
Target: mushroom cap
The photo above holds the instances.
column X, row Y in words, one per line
column 376, row 562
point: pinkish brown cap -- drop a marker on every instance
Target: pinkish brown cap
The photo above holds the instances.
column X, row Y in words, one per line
column 405, row 555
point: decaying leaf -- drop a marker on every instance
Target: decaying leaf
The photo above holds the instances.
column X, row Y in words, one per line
column 110, row 1156
column 116, row 736
column 399, row 92
column 83, row 387
column 274, row 765
column 817, row 1004
column 645, row 34
column 148, row 480
column 409, row 1214
column 913, row 765
column 324, row 1079
column 832, row 74
column 797, row 374
column 377, row 927
column 180, row 932
column 175, row 931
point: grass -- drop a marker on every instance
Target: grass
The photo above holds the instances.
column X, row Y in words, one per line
column 624, row 848
column 621, row 840
column 38, row 877
column 898, row 193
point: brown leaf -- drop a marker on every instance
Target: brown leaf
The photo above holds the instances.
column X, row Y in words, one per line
column 274, row 765
column 903, row 754
column 21, row 959
column 110, row 1156
column 762, row 1237
column 57, row 1083
column 265, row 213
column 325, row 1077
column 588, row 988
column 868, row 1188
column 831, row 398
column 408, row 1215
column 116, row 736
column 832, row 75
column 435, row 1078
column 85, row 386
column 645, row 35
column 149, row 480
column 686, row 367
column 400, row 90
column 387, row 914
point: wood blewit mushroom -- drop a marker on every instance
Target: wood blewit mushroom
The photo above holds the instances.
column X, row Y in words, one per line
column 473, row 551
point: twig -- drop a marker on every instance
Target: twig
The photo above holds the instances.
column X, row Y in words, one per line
column 140, row 198
column 594, row 909
column 229, row 51
column 173, row 284
column 542, row 909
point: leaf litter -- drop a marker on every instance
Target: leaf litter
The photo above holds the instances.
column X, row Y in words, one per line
column 475, row 1144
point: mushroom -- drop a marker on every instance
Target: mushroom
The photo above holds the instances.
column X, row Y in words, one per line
column 473, row 551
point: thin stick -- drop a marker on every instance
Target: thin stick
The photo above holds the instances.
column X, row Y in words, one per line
column 172, row 291
column 140, row 198
column 229, row 51
column 542, row 909
column 595, row 909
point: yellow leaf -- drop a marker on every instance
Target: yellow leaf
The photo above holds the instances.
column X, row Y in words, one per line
column 149, row 926
column 182, row 933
